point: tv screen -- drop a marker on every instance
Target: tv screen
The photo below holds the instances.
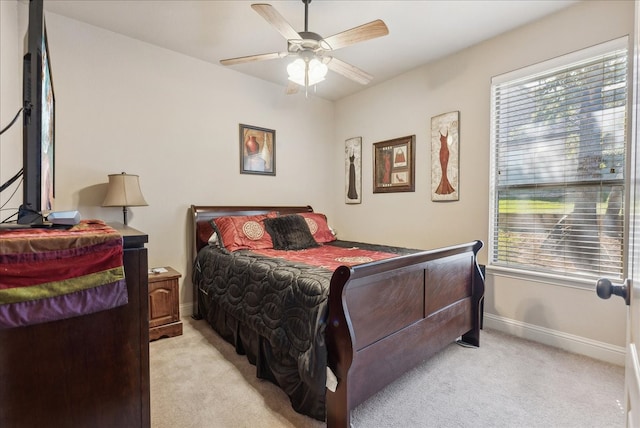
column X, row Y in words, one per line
column 39, row 122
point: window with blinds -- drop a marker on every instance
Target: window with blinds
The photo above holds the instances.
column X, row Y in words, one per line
column 558, row 154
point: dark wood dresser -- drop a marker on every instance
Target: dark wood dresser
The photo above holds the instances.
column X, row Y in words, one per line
column 87, row 371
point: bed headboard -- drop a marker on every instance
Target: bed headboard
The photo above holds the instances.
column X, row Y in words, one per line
column 201, row 215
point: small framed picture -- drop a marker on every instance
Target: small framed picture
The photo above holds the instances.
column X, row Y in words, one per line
column 394, row 165
column 353, row 170
column 257, row 150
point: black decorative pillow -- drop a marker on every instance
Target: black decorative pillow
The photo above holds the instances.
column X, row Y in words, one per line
column 290, row 232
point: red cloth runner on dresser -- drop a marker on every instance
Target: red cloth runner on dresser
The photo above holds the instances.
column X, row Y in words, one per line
column 328, row 256
column 52, row 274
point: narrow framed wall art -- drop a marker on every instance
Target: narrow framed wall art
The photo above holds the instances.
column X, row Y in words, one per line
column 353, row 170
column 445, row 144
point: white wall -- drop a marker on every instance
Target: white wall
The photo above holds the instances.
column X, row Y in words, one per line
column 405, row 105
column 13, row 22
column 125, row 105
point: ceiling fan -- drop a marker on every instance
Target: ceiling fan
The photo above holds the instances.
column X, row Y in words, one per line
column 313, row 53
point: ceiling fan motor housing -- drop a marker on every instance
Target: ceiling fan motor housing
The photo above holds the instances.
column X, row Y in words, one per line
column 308, row 41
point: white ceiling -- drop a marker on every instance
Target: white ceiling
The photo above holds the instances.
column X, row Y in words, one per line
column 419, row 31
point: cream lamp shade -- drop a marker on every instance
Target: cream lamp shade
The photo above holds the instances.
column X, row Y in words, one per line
column 124, row 191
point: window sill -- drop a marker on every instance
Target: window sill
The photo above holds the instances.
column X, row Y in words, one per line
column 545, row 278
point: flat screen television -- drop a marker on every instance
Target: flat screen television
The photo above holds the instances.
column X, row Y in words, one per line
column 38, row 148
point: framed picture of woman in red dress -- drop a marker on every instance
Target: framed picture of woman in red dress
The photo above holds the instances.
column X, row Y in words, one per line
column 353, row 170
column 444, row 156
column 394, row 165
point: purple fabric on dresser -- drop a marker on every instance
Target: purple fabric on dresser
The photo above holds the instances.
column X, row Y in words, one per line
column 70, row 305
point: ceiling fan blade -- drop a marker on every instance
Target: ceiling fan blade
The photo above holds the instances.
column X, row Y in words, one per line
column 349, row 71
column 364, row 32
column 271, row 15
column 253, row 58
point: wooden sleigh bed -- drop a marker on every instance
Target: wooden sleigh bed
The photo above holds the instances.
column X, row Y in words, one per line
column 379, row 319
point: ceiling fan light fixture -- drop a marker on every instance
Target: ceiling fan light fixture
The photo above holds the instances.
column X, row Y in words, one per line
column 317, row 71
column 296, row 71
column 307, row 74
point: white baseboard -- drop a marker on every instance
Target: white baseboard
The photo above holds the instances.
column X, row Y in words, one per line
column 576, row 344
column 569, row 342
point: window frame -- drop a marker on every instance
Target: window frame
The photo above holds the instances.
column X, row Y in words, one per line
column 555, row 64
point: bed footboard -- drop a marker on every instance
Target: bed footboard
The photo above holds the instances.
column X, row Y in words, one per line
column 386, row 317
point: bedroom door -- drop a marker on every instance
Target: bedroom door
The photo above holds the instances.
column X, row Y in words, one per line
column 632, row 365
column 630, row 290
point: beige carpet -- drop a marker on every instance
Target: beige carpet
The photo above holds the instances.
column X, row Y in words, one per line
column 197, row 380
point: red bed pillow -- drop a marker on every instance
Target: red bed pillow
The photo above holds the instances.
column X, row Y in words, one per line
column 319, row 227
column 244, row 232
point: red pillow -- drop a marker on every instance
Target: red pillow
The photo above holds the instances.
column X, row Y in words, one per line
column 318, row 226
column 244, row 232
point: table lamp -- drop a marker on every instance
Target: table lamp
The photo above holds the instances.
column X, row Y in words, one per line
column 124, row 191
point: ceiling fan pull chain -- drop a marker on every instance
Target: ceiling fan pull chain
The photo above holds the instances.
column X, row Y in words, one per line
column 306, row 78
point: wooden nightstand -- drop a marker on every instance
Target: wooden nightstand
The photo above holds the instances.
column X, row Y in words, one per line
column 164, row 305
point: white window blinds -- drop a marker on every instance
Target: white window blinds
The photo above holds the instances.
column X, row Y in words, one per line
column 558, row 145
